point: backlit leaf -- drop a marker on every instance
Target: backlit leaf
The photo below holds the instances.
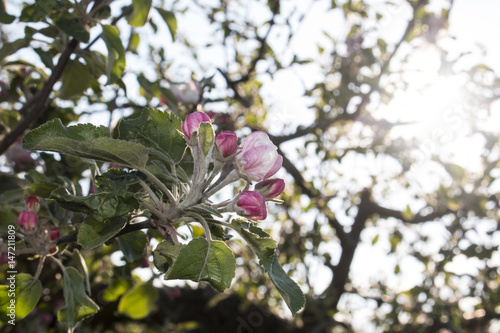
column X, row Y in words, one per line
column 138, row 302
column 203, row 260
column 140, row 13
column 116, row 53
column 78, row 304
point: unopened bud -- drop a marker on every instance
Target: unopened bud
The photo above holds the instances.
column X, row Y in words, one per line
column 54, row 234
column 192, row 123
column 27, row 220
column 270, row 188
column 257, row 158
column 252, row 205
column 33, row 204
column 226, row 143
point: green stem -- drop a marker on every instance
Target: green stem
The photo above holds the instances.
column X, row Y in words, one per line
column 232, row 177
column 155, row 211
column 162, row 186
column 225, row 224
column 39, row 267
column 203, row 222
column 217, row 169
column 59, row 263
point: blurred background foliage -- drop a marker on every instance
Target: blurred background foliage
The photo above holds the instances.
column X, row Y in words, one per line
column 388, row 129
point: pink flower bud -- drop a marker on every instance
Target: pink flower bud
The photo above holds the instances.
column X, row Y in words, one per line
column 27, row 220
column 258, row 158
column 192, row 123
column 227, row 143
column 270, row 188
column 252, row 205
column 188, row 93
column 33, row 204
column 54, row 234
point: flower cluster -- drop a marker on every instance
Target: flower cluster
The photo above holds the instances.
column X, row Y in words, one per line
column 255, row 159
column 41, row 236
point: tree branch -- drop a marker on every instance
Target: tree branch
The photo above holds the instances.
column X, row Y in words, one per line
column 71, row 238
column 38, row 103
column 419, row 218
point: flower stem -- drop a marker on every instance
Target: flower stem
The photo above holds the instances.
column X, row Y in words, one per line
column 231, row 177
column 162, row 186
column 203, row 222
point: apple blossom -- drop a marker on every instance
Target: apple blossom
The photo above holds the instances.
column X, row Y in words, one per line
column 270, row 188
column 54, row 233
column 226, row 143
column 33, row 204
column 27, row 220
column 193, row 121
column 257, row 158
column 252, row 205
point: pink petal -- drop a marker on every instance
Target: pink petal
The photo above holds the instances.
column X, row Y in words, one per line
column 276, row 166
column 257, row 162
column 256, row 139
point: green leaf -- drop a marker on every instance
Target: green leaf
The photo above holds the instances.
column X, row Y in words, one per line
column 8, row 217
column 4, row 306
column 78, row 259
column 25, row 295
column 206, row 138
column 118, row 180
column 140, row 13
column 165, row 255
column 155, row 129
column 28, row 291
column 45, row 57
column 116, row 53
column 100, row 206
column 133, row 244
column 138, row 302
column 78, row 304
column 170, row 20
column 85, row 140
column 288, row 289
column 93, row 233
column 152, row 88
column 133, row 42
column 75, row 79
column 42, row 189
column 264, row 247
column 12, row 47
column 71, row 26
column 115, row 289
column 203, row 260
column 256, row 238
